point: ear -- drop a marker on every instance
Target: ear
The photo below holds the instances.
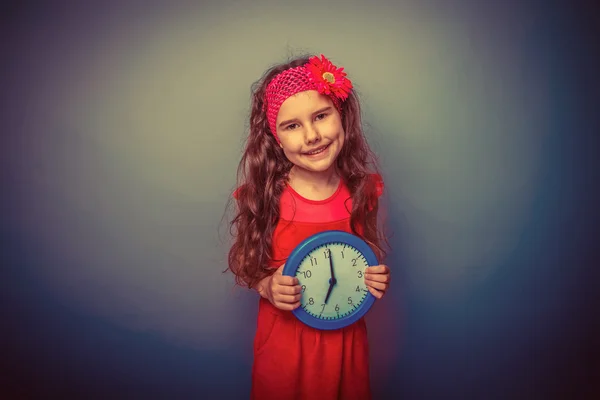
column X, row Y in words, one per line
column 280, row 145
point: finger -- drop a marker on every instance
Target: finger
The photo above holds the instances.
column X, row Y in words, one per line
column 287, row 306
column 378, row 277
column 376, row 285
column 287, row 298
column 375, row 292
column 288, row 290
column 377, row 269
column 285, row 280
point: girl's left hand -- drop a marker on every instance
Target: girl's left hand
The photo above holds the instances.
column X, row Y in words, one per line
column 377, row 279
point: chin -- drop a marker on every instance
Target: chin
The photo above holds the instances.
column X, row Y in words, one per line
column 317, row 168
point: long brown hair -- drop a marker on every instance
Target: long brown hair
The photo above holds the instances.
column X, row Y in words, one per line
column 262, row 175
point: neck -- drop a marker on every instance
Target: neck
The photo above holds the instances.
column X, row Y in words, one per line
column 316, row 182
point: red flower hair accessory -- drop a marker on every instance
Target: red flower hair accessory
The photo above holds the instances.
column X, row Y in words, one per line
column 328, row 78
column 318, row 74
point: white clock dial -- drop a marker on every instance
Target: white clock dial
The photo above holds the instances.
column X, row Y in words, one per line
column 348, row 290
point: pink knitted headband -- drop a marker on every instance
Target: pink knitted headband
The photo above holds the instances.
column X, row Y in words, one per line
column 318, row 74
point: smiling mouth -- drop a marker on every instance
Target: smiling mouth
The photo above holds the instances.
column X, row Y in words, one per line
column 317, row 151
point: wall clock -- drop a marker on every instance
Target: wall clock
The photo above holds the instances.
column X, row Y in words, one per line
column 330, row 268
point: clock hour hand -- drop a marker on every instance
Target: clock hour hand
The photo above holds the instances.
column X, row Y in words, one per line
column 328, row 292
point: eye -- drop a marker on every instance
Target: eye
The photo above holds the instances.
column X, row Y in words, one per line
column 321, row 116
column 291, row 127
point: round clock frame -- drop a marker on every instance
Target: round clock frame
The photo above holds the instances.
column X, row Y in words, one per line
column 321, row 242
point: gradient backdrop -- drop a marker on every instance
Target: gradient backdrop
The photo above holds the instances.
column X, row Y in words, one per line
column 122, row 126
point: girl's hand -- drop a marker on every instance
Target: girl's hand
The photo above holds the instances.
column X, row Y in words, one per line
column 377, row 279
column 282, row 291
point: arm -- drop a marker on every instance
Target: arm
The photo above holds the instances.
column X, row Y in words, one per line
column 261, row 287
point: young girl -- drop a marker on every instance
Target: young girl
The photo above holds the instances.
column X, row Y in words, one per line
column 304, row 170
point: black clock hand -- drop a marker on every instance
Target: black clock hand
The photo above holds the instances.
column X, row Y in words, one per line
column 328, row 292
column 331, row 268
column 332, row 281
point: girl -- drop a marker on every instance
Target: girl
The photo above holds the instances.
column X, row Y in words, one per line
column 304, row 170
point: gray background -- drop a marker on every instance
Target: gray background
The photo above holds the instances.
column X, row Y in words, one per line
column 122, row 126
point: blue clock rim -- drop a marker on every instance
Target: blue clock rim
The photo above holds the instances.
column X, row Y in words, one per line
column 302, row 250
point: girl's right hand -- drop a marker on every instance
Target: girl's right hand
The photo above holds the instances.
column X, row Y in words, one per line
column 282, row 291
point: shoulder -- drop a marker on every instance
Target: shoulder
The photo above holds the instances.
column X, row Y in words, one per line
column 377, row 181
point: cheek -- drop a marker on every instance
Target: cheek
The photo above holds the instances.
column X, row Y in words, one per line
column 337, row 133
column 290, row 149
column 334, row 127
column 341, row 139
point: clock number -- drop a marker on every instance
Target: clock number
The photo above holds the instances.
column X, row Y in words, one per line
column 307, row 274
column 311, row 301
column 358, row 288
column 354, row 262
column 303, row 288
column 360, row 274
column 313, row 261
column 322, row 309
column 337, row 308
column 350, row 299
column 342, row 253
column 327, row 253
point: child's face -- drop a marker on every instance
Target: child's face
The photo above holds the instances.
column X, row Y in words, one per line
column 308, row 121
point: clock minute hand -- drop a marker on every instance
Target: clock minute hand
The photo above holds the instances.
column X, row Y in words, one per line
column 331, row 268
column 332, row 281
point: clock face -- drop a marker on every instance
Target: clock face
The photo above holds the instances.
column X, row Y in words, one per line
column 348, row 290
column 330, row 268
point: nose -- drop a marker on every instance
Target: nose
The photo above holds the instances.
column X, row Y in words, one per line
column 311, row 135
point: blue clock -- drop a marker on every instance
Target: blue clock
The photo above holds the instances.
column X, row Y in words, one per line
column 330, row 269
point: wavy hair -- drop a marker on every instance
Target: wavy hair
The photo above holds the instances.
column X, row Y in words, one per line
column 262, row 175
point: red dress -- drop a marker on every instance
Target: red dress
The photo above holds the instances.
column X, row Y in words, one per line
column 293, row 361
